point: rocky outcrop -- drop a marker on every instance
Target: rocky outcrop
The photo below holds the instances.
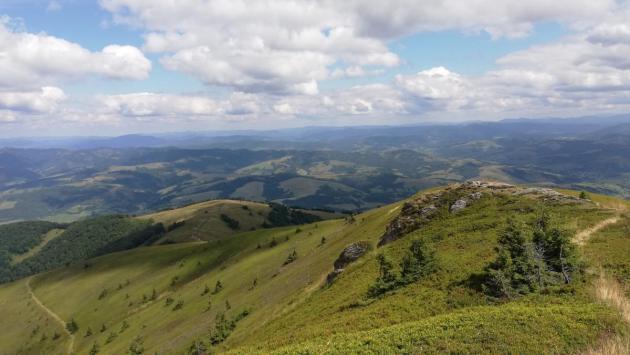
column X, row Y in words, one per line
column 418, row 212
column 350, row 254
column 458, row 205
column 412, row 215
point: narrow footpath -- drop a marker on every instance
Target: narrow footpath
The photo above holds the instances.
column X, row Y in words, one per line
column 51, row 314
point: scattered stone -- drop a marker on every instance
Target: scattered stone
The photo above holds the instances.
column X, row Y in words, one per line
column 458, row 205
column 476, row 195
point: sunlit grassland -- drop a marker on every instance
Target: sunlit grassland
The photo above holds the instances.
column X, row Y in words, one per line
column 294, row 311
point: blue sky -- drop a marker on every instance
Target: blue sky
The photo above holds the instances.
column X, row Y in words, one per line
column 116, row 66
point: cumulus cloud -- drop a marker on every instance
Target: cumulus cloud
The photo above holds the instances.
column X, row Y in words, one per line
column 45, row 100
column 509, row 18
column 34, row 60
column 257, row 70
column 153, row 104
column 286, row 46
column 279, row 47
column 158, row 105
column 270, row 58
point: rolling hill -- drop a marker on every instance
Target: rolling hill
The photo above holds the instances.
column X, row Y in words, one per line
column 30, row 247
column 471, row 268
column 343, row 169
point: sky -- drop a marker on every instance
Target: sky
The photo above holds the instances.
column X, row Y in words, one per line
column 110, row 67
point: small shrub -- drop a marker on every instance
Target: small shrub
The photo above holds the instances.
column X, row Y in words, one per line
column 137, row 346
column 178, row 305
column 291, row 258
column 112, row 336
column 72, row 326
column 124, row 326
column 198, row 347
column 94, row 349
column 217, row 288
column 223, row 327
column 230, row 222
column 174, row 280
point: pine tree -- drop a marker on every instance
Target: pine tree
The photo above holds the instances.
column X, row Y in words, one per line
column 418, row 262
column 559, row 252
column 386, row 279
column 514, row 271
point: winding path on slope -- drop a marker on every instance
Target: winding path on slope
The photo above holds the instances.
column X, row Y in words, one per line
column 583, row 236
column 608, row 290
column 52, row 314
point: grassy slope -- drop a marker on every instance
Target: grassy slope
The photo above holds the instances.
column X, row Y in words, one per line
column 291, row 309
column 26, row 328
column 445, row 292
column 609, row 247
column 203, row 220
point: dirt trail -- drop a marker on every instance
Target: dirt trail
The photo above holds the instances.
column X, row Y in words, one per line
column 610, row 291
column 52, row 314
column 582, row 237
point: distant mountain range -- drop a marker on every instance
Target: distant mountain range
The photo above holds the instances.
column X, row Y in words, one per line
column 338, row 168
column 272, row 139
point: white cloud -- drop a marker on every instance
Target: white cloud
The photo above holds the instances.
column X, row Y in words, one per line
column 508, row 18
column 280, row 47
column 271, row 57
column 254, row 70
column 33, row 60
column 152, row 104
column 45, row 100
column 286, row 46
